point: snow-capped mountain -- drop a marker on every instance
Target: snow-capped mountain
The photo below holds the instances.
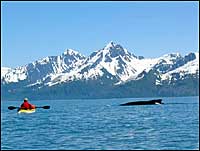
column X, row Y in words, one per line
column 4, row 70
column 113, row 61
column 188, row 65
column 112, row 68
column 173, row 67
column 38, row 71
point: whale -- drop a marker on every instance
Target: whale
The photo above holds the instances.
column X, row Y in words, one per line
column 149, row 102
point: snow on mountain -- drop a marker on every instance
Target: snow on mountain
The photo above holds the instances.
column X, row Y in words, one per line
column 4, row 70
column 113, row 59
column 191, row 67
column 117, row 61
column 15, row 75
column 111, row 62
column 167, row 66
column 170, row 58
column 172, row 61
column 39, row 70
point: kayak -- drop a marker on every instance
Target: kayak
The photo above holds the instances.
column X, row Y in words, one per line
column 20, row 110
column 26, row 111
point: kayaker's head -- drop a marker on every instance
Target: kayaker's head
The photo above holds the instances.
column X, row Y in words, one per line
column 25, row 99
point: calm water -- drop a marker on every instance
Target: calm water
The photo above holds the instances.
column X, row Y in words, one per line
column 102, row 124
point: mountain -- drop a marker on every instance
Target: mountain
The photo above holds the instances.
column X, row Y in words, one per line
column 109, row 72
column 4, row 70
column 113, row 62
column 172, row 75
column 40, row 70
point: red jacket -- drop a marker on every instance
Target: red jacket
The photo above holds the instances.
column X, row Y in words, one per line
column 27, row 105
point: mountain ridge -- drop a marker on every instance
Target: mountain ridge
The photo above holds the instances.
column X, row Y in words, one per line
column 109, row 67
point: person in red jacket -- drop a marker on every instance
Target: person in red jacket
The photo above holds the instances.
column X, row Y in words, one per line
column 26, row 105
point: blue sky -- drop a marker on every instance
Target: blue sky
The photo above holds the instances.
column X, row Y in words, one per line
column 33, row 30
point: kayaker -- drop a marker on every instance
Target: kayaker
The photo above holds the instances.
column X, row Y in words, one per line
column 27, row 105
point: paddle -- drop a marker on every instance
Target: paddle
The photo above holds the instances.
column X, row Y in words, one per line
column 44, row 107
column 13, row 107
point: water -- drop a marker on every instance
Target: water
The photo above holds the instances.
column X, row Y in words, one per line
column 102, row 124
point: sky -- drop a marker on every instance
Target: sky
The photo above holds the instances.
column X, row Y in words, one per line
column 33, row 30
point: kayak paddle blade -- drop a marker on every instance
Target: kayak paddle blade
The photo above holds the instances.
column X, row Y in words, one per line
column 46, row 107
column 12, row 107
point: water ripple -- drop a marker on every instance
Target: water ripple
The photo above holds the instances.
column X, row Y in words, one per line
column 103, row 124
